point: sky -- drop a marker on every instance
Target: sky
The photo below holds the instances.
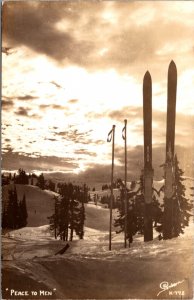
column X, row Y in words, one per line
column 72, row 69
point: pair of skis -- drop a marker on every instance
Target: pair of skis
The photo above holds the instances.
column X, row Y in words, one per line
column 170, row 140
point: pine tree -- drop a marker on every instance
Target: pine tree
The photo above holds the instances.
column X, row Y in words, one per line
column 86, row 194
column 69, row 212
column 23, row 212
column 14, row 214
column 54, row 219
column 21, row 178
column 4, row 218
column 180, row 207
column 41, row 182
column 82, row 217
column 12, row 210
column 135, row 210
column 50, row 185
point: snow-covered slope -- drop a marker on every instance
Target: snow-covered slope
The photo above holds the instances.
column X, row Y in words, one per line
column 40, row 204
column 88, row 270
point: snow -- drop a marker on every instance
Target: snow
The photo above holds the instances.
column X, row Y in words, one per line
column 88, row 270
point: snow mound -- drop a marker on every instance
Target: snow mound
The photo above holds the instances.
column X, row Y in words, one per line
column 31, row 233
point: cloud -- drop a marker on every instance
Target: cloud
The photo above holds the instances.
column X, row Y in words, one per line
column 73, row 101
column 135, row 160
column 135, row 35
column 22, row 111
column 131, row 113
column 76, row 136
column 183, row 126
column 57, row 106
column 94, row 115
column 14, row 160
column 128, row 112
column 26, row 97
column 35, row 116
column 7, row 104
column 50, row 139
column 52, row 106
column 44, row 106
column 85, row 152
column 37, row 22
column 97, row 172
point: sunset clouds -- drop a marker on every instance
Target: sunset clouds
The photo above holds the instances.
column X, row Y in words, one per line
column 72, row 69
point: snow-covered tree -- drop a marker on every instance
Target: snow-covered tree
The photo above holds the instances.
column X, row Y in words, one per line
column 135, row 210
column 69, row 212
column 177, row 210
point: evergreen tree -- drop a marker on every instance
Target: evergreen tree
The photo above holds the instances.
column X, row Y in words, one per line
column 50, row 185
column 177, row 209
column 73, row 217
column 69, row 212
column 80, row 229
column 23, row 212
column 4, row 218
column 21, row 178
column 12, row 210
column 14, row 214
column 4, row 179
column 81, row 197
column 41, row 182
column 85, row 193
column 135, row 210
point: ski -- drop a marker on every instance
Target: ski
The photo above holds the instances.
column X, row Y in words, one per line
column 170, row 141
column 148, row 170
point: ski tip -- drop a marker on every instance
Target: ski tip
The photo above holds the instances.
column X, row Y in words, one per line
column 147, row 75
column 172, row 65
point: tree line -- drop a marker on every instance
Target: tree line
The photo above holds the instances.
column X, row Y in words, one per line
column 14, row 211
column 21, row 177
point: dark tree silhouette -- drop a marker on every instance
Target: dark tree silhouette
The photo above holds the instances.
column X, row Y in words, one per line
column 23, row 212
column 41, row 182
column 21, row 178
column 14, row 212
column 50, row 185
column 69, row 213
